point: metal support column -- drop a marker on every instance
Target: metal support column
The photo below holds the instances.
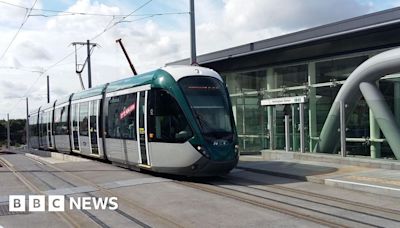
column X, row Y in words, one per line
column 295, row 145
column 397, row 101
column 287, row 134
column 271, row 128
column 8, row 131
column 244, row 122
column 48, row 89
column 342, row 129
column 374, row 133
column 193, row 55
column 301, row 127
column 89, row 65
column 27, row 124
column 312, row 103
column 383, row 115
column 270, row 109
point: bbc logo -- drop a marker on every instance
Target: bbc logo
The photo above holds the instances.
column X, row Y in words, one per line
column 17, row 203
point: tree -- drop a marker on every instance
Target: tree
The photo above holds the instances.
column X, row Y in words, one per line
column 17, row 132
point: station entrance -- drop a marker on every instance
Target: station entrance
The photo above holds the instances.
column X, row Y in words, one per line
column 287, row 123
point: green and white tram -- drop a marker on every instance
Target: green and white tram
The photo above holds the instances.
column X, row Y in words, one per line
column 177, row 119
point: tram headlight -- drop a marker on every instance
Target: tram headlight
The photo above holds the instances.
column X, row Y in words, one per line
column 203, row 151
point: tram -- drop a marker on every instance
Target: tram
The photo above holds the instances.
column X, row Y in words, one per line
column 175, row 120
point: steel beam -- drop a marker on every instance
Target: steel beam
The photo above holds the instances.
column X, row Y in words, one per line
column 312, row 105
column 383, row 115
column 373, row 69
column 287, row 133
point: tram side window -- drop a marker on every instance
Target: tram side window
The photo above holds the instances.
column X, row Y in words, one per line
column 75, row 116
column 83, row 119
column 64, row 121
column 167, row 122
column 60, row 121
column 43, row 123
column 121, row 119
column 57, row 121
column 93, row 116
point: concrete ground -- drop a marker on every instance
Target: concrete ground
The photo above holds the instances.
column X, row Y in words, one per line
column 248, row 197
column 361, row 174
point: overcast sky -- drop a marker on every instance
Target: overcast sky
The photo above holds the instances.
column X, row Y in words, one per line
column 151, row 41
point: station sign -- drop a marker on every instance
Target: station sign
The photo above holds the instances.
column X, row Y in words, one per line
column 284, row 100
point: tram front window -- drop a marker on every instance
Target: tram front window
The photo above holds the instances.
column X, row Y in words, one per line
column 209, row 101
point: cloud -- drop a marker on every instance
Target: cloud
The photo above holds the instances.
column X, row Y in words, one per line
column 150, row 42
column 289, row 14
column 11, row 89
column 33, row 50
column 241, row 21
column 59, row 92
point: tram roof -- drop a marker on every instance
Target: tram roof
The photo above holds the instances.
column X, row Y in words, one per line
column 63, row 100
column 137, row 80
column 95, row 91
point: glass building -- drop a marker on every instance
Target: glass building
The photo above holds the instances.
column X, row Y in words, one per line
column 312, row 65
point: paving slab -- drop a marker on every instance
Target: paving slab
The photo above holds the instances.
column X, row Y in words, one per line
column 354, row 176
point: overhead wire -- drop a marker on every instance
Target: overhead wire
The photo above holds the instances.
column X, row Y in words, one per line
column 73, row 13
column 71, row 53
column 19, row 30
column 107, row 15
column 15, row 5
column 123, row 18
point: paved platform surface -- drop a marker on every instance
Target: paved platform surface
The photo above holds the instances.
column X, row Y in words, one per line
column 353, row 177
column 243, row 198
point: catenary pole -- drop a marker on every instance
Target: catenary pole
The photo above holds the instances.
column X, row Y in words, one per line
column 193, row 55
column 48, row 89
column 8, row 131
column 27, row 124
column 89, row 65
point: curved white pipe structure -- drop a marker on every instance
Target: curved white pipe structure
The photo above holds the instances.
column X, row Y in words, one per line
column 368, row 72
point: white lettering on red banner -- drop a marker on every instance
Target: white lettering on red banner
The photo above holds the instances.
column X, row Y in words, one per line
column 127, row 111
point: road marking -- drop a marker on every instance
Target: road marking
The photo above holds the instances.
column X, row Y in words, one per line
column 362, row 184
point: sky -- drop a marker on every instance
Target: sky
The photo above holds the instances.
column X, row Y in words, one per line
column 36, row 42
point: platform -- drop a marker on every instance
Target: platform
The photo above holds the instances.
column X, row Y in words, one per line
column 361, row 174
column 247, row 197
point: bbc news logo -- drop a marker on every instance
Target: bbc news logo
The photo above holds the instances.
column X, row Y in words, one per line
column 56, row 203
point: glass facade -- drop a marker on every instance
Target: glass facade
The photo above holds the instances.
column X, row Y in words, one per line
column 263, row 127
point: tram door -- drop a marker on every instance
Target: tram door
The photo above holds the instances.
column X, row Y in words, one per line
column 141, row 119
column 75, row 127
column 49, row 129
column 93, row 125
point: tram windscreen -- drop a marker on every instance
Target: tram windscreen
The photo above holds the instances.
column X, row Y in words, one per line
column 209, row 101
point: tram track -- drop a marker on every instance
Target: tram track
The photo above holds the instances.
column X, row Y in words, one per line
column 243, row 190
column 68, row 219
column 124, row 201
column 232, row 188
column 92, row 216
column 258, row 202
column 358, row 207
column 317, row 195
